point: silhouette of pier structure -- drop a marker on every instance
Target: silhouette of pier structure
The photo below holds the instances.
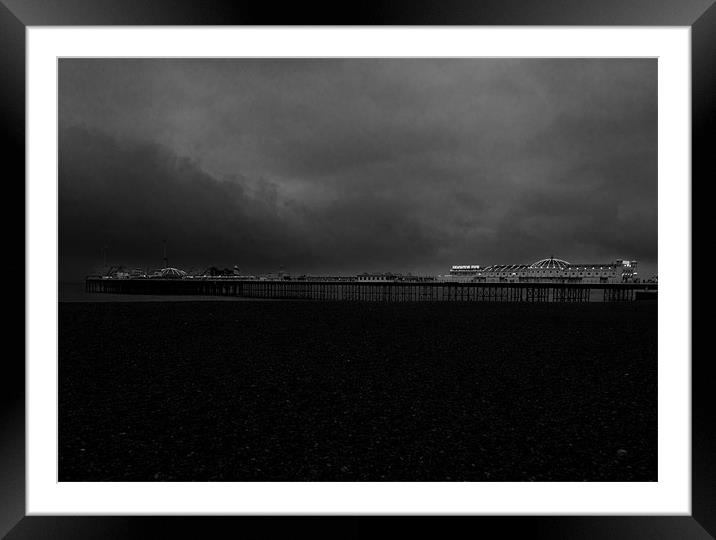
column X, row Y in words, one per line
column 362, row 291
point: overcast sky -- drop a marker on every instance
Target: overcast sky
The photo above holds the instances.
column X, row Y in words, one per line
column 352, row 165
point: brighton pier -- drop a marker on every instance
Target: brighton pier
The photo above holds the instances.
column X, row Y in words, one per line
column 546, row 280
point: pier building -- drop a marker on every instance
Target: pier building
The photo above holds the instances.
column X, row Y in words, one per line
column 549, row 270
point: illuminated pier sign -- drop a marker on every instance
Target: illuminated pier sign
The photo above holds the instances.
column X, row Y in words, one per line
column 465, row 267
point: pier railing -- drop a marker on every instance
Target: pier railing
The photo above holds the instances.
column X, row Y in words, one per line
column 366, row 291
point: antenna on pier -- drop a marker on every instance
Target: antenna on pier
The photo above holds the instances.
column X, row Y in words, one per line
column 166, row 260
column 104, row 256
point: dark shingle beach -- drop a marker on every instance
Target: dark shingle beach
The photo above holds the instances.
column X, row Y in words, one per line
column 307, row 391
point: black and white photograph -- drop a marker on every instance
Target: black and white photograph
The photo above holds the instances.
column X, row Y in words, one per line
column 357, row 269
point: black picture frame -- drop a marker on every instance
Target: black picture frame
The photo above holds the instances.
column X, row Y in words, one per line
column 16, row 15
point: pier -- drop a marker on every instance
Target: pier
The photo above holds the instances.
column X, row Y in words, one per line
column 365, row 291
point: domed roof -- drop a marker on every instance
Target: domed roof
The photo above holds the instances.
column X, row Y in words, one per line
column 172, row 272
column 551, row 263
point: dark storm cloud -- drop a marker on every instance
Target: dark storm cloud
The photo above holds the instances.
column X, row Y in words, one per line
column 131, row 196
column 352, row 165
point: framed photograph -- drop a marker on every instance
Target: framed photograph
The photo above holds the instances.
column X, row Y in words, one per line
column 401, row 265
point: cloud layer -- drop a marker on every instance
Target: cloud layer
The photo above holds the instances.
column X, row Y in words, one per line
column 356, row 164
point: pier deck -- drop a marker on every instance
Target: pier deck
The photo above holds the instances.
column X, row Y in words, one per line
column 363, row 291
